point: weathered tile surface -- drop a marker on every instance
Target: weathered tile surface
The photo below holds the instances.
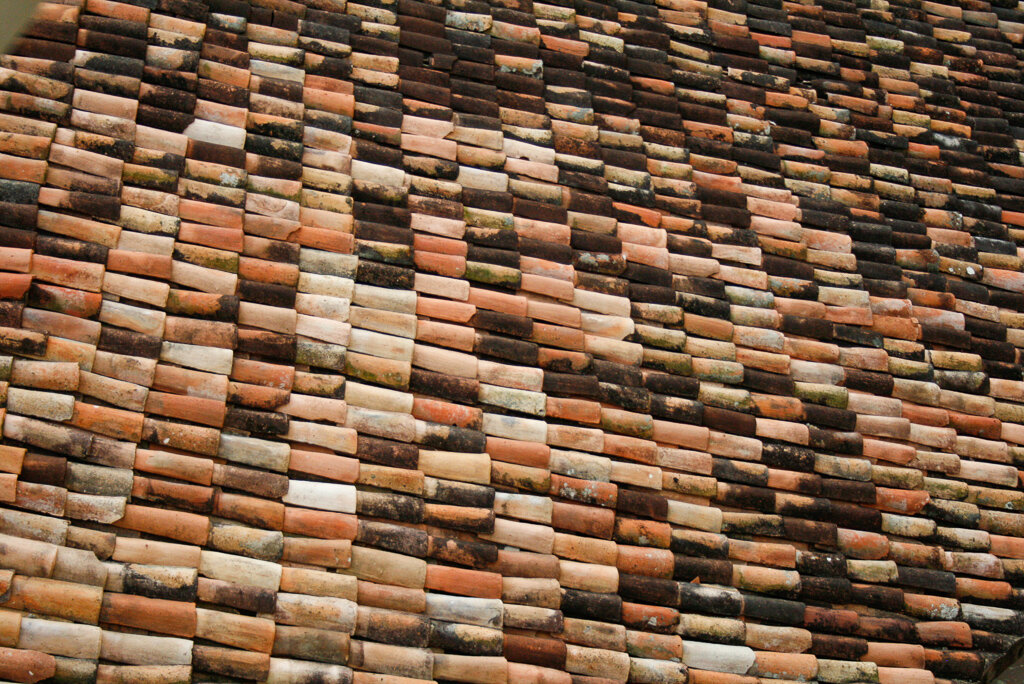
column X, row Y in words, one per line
column 571, row 342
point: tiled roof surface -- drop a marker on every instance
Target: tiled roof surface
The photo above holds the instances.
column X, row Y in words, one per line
column 571, row 342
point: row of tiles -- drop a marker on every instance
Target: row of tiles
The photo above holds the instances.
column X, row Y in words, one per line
column 336, row 610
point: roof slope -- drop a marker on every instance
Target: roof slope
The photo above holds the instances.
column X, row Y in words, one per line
column 575, row 342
